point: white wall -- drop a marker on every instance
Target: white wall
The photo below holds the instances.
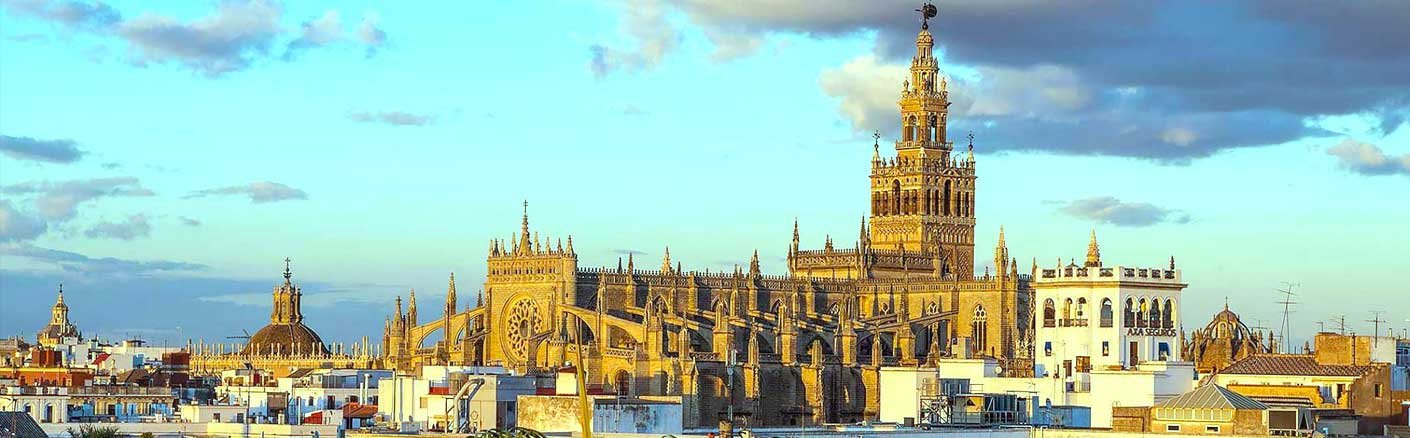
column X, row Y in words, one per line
column 658, row 418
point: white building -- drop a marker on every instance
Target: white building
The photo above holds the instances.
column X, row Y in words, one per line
column 1093, row 316
column 1104, row 337
column 462, row 398
column 289, row 399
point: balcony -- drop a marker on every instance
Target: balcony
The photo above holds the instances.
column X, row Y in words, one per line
column 1072, row 322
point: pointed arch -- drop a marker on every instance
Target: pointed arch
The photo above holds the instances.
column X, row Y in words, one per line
column 979, row 328
column 1169, row 314
column 945, row 199
column 1107, row 313
column 896, row 196
column 1049, row 313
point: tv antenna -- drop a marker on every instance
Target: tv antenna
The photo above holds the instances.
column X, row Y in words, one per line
column 1376, row 322
column 1287, row 303
column 246, row 337
column 1340, row 321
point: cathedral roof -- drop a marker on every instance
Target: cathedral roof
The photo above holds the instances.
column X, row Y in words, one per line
column 286, row 333
column 284, row 338
column 1226, row 325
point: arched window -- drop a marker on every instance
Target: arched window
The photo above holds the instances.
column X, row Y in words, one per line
column 1081, row 308
column 1155, row 313
column 945, row 200
column 932, row 132
column 896, row 197
column 1169, row 314
column 979, row 328
column 1067, row 310
column 1129, row 317
column 1107, row 313
column 1142, row 309
column 1048, row 313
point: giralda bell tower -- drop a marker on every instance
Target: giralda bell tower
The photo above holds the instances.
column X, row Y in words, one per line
column 923, row 198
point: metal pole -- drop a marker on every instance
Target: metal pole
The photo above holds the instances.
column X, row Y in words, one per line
column 729, row 410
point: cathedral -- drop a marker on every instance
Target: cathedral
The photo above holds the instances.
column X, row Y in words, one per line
column 59, row 326
column 282, row 346
column 1222, row 342
column 804, row 347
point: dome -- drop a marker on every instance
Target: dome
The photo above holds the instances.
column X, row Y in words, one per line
column 1226, row 325
column 285, row 338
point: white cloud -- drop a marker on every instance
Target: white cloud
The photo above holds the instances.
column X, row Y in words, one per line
column 258, row 192
column 645, row 21
column 134, row 227
column 866, row 90
column 1367, row 159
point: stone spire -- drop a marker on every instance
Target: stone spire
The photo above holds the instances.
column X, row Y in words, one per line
column 59, row 304
column 450, row 295
column 411, row 308
column 754, row 264
column 525, row 244
column 795, row 233
column 666, row 261
column 1094, row 254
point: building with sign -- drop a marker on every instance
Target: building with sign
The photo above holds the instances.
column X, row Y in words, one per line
column 1092, row 316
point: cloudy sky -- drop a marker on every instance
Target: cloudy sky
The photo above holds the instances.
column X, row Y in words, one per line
column 161, row 163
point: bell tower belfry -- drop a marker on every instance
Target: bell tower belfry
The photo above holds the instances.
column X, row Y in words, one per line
column 922, row 199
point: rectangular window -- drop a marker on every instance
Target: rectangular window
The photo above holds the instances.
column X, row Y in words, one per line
column 1211, row 428
column 1084, row 364
column 1106, row 348
column 1164, row 350
column 1172, row 428
column 1378, row 390
column 1047, row 348
column 215, row 417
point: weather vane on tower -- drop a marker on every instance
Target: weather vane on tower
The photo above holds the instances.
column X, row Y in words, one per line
column 927, row 11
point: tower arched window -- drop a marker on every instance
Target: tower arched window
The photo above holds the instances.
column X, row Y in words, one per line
column 945, row 200
column 979, row 328
column 896, row 197
column 1169, row 314
column 1081, row 308
column 934, row 130
column 1107, row 314
column 1049, row 313
column 1129, row 319
column 1155, row 313
column 1142, row 309
column 1067, row 309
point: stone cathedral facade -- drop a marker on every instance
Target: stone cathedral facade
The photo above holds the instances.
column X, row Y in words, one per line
column 806, row 346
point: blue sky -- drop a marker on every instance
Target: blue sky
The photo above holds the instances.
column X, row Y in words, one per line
column 161, row 163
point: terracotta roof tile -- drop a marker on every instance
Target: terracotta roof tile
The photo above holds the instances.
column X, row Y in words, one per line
column 1292, row 365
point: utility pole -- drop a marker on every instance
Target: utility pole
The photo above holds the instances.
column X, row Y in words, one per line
column 1287, row 303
